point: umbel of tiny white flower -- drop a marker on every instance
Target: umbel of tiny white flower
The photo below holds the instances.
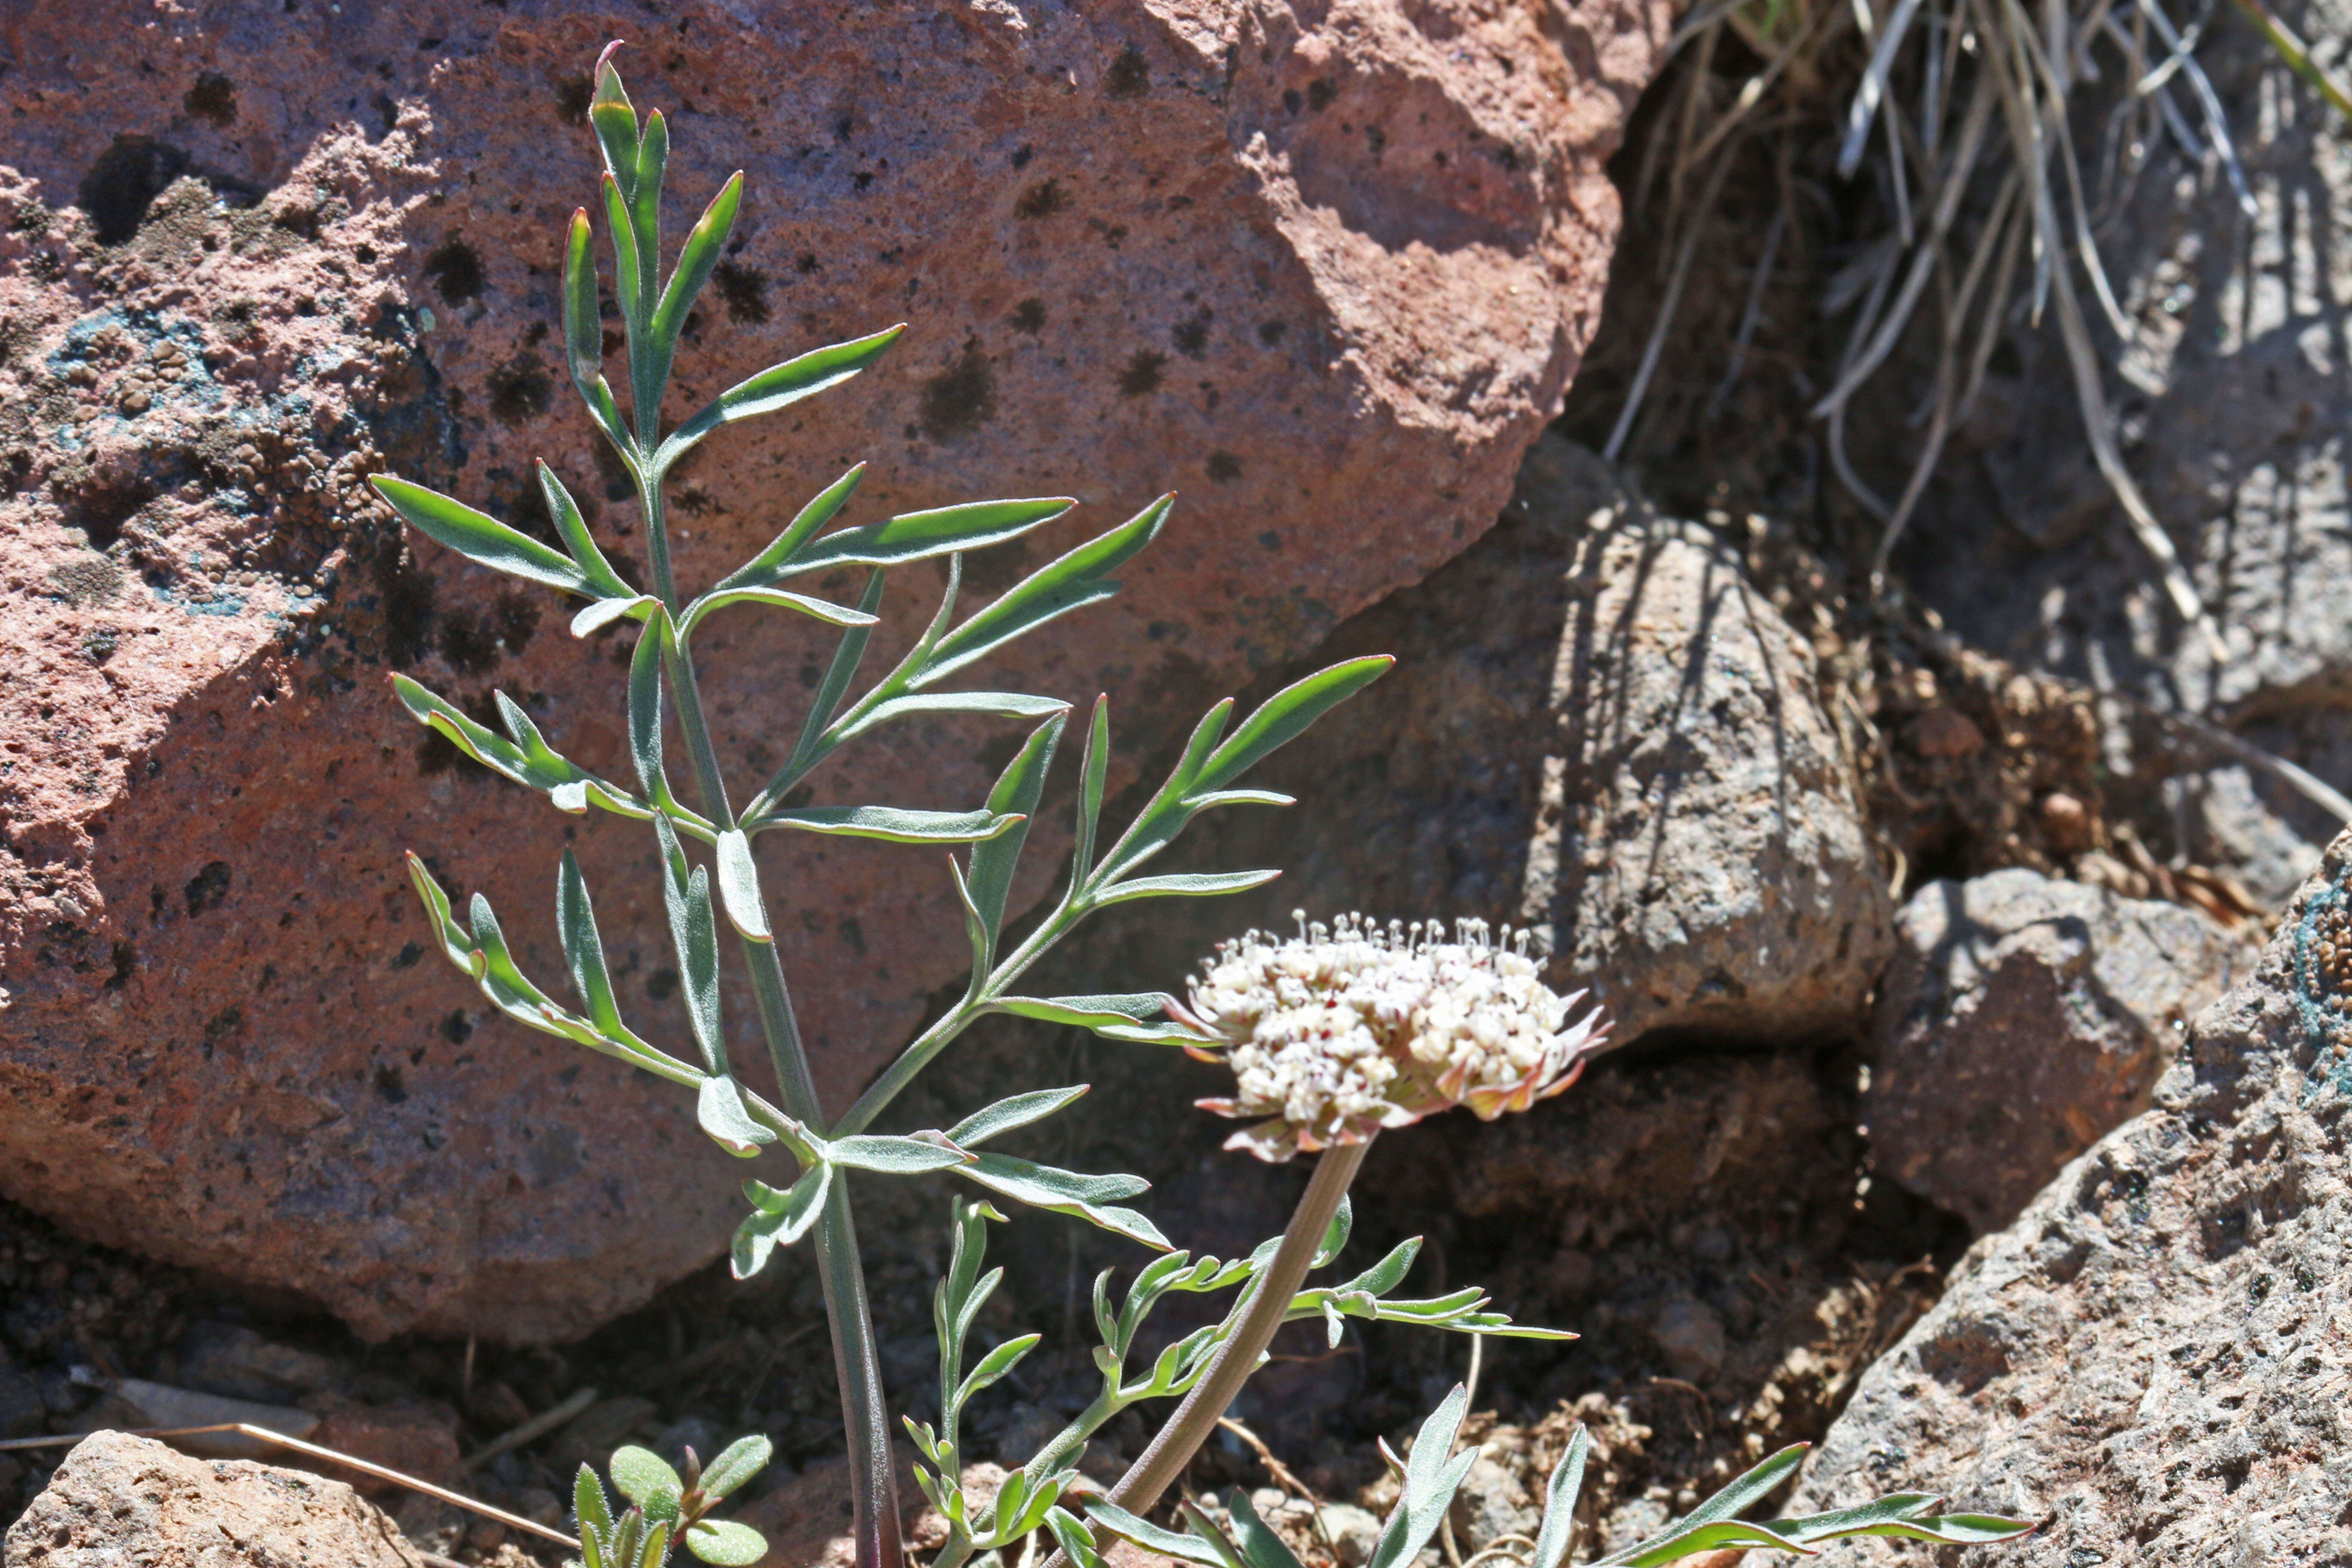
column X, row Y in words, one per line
column 1342, row 1030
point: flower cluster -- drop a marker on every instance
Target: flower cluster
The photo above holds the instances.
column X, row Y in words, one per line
column 1343, row 1030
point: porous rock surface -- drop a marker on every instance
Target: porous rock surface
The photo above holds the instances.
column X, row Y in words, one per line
column 1599, row 728
column 2023, row 1017
column 2152, row 1358
column 118, row 1498
column 1325, row 268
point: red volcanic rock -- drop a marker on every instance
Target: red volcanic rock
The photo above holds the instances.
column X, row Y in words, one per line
column 1326, row 269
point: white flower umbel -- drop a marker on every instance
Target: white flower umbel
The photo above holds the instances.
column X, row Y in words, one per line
column 1342, row 1030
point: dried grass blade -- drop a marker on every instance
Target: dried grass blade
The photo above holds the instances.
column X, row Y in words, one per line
column 1873, row 90
column 1666, row 307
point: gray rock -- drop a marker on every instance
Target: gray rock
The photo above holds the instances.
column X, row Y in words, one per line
column 1491, row 1505
column 231, row 1360
column 1354, row 1532
column 1691, row 1333
column 1595, row 728
column 2152, row 1357
column 1700, row 857
column 2021, row 1018
column 121, row 1500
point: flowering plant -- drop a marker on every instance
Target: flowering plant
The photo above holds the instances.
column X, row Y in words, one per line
column 1334, row 1037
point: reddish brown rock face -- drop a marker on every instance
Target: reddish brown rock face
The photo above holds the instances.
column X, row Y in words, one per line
column 1326, row 272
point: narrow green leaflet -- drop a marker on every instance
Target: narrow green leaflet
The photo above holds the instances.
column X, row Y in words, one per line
column 1151, row 1537
column 738, row 886
column 895, row 1156
column 760, row 570
column 1260, row 1546
column 888, row 823
column 456, row 941
column 1186, row 885
column 1017, row 790
column 994, row 704
column 1906, row 1515
column 996, row 1364
column 686, row 897
column 569, row 786
column 1128, row 1017
column 1286, row 715
column 818, row 609
column 778, row 1219
column 1075, row 1540
column 583, row 339
column 577, row 539
column 719, row 1108
column 1090, row 1198
column 1558, row 1534
column 725, row 1543
column 1018, row 1110
column 589, row 1503
column 919, row 535
column 594, row 618
column 480, row 538
column 583, row 952
column 1076, row 579
column 694, row 259
column 777, row 387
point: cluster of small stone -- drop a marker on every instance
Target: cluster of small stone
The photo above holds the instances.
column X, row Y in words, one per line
column 1342, row 1030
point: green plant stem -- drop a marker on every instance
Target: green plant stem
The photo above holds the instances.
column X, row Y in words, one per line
column 874, row 1493
column 2290, row 49
column 1139, row 1491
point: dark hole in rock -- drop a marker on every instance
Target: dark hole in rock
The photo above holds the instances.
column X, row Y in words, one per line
column 744, row 289
column 518, row 391
column 124, row 182
column 960, row 398
column 661, row 984
column 456, row 271
column 207, row 888
column 1028, row 316
column 1043, row 199
column 1129, row 75
column 1141, row 374
column 213, row 97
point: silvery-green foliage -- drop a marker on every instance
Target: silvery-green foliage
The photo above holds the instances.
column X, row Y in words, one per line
column 666, row 1508
column 719, row 889
column 697, row 897
column 1428, row 1480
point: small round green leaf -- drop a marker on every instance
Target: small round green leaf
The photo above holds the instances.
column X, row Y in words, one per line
column 640, row 1473
column 725, row 1544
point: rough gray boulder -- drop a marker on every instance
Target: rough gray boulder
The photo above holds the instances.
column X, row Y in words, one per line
column 121, row 1499
column 1597, row 727
column 2153, row 1357
column 2021, row 1018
